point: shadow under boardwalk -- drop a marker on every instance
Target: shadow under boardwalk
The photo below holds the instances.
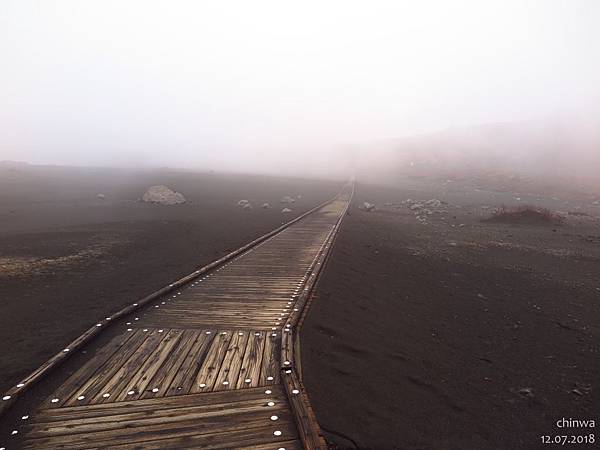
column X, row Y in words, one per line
column 199, row 368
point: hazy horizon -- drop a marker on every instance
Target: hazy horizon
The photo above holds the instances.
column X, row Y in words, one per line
column 269, row 86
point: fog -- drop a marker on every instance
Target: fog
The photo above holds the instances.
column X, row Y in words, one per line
column 304, row 87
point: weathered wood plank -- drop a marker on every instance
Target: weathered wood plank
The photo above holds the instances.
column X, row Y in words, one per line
column 224, row 426
column 230, row 368
column 186, row 375
column 155, row 404
column 118, row 382
column 269, row 373
column 167, row 372
column 139, row 382
column 84, row 394
column 66, row 390
column 207, row 375
column 252, row 361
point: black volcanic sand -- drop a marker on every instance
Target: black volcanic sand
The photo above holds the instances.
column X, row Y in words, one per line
column 456, row 333
column 68, row 258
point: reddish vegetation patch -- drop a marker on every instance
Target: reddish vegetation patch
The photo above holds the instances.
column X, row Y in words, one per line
column 525, row 215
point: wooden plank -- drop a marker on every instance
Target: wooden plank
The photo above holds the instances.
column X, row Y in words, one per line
column 66, row 390
column 269, row 373
column 167, row 372
column 155, row 404
column 83, row 395
column 186, row 375
column 230, row 367
column 156, row 417
column 306, row 420
column 139, row 382
column 118, row 382
column 252, row 361
column 220, row 429
column 260, row 437
column 295, row 444
column 207, row 375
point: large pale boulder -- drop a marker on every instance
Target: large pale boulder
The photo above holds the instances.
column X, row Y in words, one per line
column 163, row 195
column 366, row 206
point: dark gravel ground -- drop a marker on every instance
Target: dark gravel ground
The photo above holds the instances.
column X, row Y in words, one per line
column 454, row 333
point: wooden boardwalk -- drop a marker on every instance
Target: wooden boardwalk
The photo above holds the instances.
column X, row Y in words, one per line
column 211, row 364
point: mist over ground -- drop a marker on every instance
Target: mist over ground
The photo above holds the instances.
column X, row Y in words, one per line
column 318, row 89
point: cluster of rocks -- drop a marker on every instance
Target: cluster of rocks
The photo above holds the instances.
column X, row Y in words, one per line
column 288, row 199
column 423, row 209
column 245, row 204
column 162, row 195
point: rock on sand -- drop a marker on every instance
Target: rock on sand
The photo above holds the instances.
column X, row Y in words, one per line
column 366, row 206
column 286, row 210
column 163, row 195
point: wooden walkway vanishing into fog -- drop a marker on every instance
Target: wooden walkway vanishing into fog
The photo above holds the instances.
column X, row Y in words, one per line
column 209, row 363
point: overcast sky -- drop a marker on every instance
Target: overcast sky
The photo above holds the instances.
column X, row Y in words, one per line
column 204, row 83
